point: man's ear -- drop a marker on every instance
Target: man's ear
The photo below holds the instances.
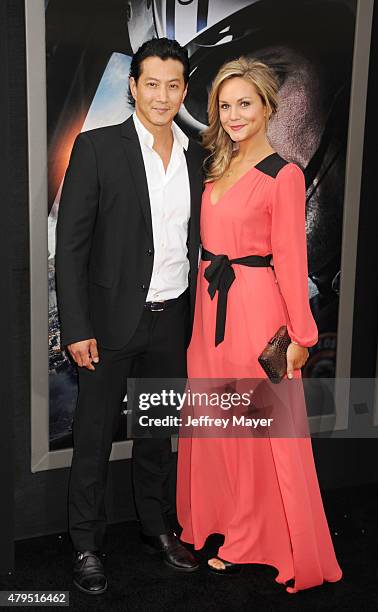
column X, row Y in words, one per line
column 133, row 87
column 184, row 94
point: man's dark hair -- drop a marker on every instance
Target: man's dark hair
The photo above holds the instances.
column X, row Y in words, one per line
column 158, row 47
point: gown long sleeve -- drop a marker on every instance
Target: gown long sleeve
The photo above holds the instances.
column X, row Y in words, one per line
column 289, row 249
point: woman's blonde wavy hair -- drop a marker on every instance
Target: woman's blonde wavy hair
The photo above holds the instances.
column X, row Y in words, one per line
column 214, row 138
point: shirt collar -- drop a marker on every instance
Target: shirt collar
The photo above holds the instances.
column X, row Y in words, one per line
column 147, row 138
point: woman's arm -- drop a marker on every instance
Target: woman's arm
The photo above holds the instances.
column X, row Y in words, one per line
column 289, row 249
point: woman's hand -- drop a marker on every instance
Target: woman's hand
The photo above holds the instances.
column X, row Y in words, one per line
column 297, row 356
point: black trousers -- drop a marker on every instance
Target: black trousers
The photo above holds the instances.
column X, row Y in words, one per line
column 157, row 349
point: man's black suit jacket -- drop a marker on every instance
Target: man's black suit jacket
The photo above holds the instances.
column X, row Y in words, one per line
column 104, row 247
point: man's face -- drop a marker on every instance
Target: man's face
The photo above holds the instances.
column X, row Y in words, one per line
column 159, row 91
column 297, row 127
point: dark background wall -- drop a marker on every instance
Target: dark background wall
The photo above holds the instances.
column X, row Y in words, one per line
column 365, row 329
column 6, row 355
column 40, row 506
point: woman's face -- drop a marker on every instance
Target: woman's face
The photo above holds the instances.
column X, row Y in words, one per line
column 241, row 110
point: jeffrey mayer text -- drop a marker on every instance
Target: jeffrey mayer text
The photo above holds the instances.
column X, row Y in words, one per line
column 243, row 421
column 204, row 421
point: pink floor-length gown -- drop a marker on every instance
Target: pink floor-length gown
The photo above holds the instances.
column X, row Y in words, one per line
column 262, row 494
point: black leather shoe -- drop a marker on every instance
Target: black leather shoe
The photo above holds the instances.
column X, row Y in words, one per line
column 88, row 573
column 230, row 569
column 172, row 551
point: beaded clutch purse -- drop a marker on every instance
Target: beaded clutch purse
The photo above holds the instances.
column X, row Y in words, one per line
column 273, row 358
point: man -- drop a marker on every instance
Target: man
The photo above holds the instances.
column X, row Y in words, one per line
column 126, row 267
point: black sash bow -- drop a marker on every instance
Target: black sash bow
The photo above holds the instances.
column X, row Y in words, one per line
column 220, row 276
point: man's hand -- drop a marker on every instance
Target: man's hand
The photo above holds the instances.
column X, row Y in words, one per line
column 84, row 352
column 296, row 358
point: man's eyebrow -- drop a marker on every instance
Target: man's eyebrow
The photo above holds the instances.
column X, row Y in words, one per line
column 151, row 78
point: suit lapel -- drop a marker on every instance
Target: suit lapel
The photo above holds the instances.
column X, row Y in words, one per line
column 131, row 145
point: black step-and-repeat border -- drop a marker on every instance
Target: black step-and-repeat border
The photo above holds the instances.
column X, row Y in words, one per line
column 8, row 258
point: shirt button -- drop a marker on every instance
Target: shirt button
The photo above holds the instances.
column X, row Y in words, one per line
column 143, row 287
column 149, row 252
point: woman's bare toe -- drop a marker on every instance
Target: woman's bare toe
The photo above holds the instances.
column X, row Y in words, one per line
column 216, row 564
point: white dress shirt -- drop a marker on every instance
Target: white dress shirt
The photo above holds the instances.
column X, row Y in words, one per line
column 170, row 212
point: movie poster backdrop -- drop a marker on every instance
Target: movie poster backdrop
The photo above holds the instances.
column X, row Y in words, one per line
column 89, row 44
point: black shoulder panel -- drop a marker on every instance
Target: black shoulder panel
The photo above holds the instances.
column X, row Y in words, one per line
column 272, row 164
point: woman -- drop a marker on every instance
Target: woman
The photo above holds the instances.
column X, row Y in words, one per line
column 261, row 494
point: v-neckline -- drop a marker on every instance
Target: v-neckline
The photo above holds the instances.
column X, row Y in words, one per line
column 237, row 181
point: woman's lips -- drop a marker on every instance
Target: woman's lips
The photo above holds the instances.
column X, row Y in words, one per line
column 236, row 128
